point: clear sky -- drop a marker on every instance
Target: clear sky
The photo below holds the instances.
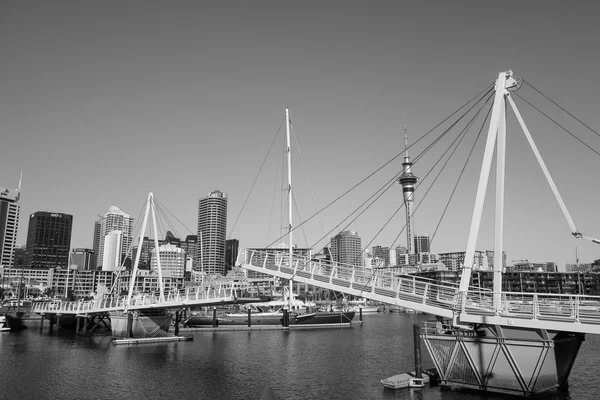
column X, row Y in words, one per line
column 103, row 102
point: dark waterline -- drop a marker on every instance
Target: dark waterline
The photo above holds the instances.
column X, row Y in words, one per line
column 338, row 363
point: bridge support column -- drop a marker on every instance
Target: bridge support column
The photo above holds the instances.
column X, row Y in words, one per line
column 501, row 359
column 41, row 322
column 140, row 323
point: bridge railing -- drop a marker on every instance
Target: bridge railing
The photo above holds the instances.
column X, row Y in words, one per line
column 418, row 290
column 367, row 280
column 176, row 298
column 537, row 306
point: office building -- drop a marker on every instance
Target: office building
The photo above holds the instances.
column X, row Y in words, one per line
column 113, row 220
column 9, row 223
column 190, row 245
column 111, row 256
column 82, row 259
column 147, row 246
column 232, row 247
column 422, row 244
column 212, row 229
column 346, row 248
column 382, row 253
column 172, row 261
column 48, row 240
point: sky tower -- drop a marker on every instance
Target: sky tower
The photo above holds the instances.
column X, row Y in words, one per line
column 408, row 180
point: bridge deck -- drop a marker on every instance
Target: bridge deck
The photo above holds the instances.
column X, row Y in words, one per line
column 193, row 296
column 555, row 312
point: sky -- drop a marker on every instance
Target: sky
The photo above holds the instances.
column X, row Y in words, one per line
column 104, row 102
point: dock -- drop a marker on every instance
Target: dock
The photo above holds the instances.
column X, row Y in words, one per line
column 153, row 340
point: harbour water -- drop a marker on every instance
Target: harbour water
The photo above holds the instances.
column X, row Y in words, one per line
column 335, row 363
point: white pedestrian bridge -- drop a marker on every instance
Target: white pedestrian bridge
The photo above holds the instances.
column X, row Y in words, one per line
column 555, row 312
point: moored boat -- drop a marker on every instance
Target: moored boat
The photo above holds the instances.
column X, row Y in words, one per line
column 259, row 315
column 324, row 317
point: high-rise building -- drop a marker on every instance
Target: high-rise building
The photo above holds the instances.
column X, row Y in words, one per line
column 422, row 244
column 9, row 223
column 48, row 240
column 383, row 253
column 212, row 230
column 346, row 248
column 232, row 247
column 172, row 261
column 147, row 246
column 400, row 251
column 113, row 220
column 190, row 245
column 96, row 243
column 111, row 251
column 82, row 259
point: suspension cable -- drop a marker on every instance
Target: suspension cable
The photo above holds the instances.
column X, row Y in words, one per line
column 557, row 105
column 557, row 124
column 256, row 178
column 481, row 95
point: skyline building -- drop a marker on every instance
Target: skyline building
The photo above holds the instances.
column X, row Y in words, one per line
column 212, row 230
column 422, row 244
column 113, row 220
column 147, row 246
column 232, row 248
column 172, row 261
column 9, row 223
column 383, row 253
column 48, row 240
column 408, row 181
column 111, row 251
column 82, row 259
column 346, row 248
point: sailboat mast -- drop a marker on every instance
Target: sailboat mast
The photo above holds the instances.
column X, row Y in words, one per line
column 289, row 161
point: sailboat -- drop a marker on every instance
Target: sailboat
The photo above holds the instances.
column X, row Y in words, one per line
column 318, row 317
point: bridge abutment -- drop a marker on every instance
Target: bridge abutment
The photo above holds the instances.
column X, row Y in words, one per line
column 501, row 359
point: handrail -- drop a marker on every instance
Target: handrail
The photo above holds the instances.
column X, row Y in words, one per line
column 391, row 287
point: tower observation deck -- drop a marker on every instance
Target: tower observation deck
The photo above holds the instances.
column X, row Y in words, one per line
column 408, row 181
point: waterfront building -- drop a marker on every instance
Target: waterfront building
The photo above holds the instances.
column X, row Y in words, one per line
column 190, row 245
column 113, row 220
column 541, row 266
column 455, row 260
column 48, row 240
column 19, row 258
column 232, row 248
column 346, row 248
column 147, row 246
column 146, row 282
column 382, row 253
column 172, row 261
column 111, row 257
column 61, row 281
column 422, row 243
column 82, row 259
column 399, row 252
column 212, row 229
column 9, row 223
